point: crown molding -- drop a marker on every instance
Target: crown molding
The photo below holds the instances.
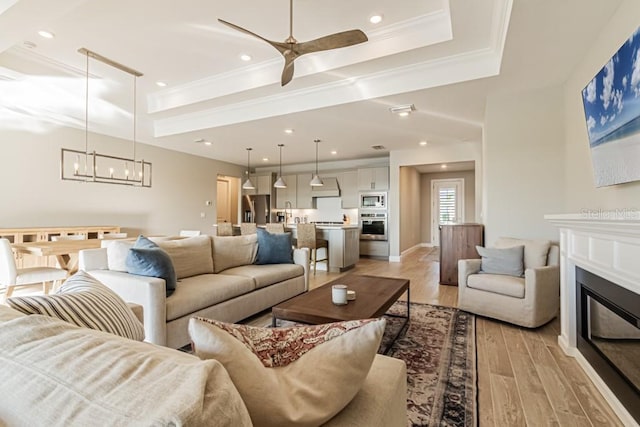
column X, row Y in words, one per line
column 462, row 67
column 392, row 39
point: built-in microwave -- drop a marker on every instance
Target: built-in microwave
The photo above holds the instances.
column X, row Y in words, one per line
column 373, row 200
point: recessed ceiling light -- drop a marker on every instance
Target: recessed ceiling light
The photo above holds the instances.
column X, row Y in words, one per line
column 289, row 131
column 443, row 166
column 245, row 57
column 375, row 19
column 403, row 110
column 334, row 152
column 423, row 143
column 265, row 159
column 207, row 143
column 161, row 84
column 46, row 34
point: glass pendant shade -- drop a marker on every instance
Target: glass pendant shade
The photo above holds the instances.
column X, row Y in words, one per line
column 280, row 182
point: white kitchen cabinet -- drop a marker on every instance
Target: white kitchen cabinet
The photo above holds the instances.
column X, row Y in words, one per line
column 373, row 179
column 374, row 248
column 262, row 183
column 348, row 182
column 304, row 198
column 287, row 194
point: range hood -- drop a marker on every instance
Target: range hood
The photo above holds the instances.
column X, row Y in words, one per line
column 329, row 189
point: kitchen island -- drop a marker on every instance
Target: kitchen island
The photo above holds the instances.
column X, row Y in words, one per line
column 344, row 244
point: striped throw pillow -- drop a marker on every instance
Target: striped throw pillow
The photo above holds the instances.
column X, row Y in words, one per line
column 86, row 302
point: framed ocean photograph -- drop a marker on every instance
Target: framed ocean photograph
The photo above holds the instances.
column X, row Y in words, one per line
column 612, row 112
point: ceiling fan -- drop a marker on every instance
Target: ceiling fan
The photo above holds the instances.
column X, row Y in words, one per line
column 291, row 48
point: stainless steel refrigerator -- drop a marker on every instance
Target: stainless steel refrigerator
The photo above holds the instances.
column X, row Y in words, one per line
column 256, row 208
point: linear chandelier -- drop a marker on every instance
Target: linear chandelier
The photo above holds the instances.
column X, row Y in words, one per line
column 91, row 166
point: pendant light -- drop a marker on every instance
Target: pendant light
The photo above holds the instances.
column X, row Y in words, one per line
column 280, row 182
column 248, row 185
column 316, row 181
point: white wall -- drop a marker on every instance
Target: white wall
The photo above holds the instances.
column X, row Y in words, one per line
column 581, row 193
column 34, row 195
column 523, row 163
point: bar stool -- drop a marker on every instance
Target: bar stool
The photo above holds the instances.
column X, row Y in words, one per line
column 307, row 239
column 248, row 228
column 224, row 229
column 274, row 228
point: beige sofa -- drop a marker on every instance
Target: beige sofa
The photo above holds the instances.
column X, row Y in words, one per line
column 216, row 279
column 57, row 374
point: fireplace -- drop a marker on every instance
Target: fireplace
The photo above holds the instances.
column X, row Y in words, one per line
column 599, row 302
column 608, row 335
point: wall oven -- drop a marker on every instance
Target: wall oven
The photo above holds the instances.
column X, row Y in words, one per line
column 373, row 200
column 373, row 226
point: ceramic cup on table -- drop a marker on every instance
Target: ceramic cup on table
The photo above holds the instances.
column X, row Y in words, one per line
column 339, row 294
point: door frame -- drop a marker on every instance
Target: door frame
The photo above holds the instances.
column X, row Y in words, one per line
column 435, row 223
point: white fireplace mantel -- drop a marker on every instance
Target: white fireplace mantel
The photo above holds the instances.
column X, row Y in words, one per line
column 606, row 243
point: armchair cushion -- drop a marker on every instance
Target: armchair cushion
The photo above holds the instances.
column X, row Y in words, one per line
column 535, row 251
column 507, row 261
column 498, row 283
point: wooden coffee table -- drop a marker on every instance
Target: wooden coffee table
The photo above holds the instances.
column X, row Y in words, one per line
column 374, row 296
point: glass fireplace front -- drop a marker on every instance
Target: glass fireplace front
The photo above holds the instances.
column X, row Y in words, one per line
column 609, row 335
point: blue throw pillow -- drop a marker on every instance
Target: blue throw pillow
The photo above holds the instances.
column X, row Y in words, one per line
column 274, row 248
column 146, row 258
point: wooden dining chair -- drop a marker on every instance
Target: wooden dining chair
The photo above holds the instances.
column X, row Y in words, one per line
column 68, row 237
column 248, row 228
column 11, row 276
column 224, row 229
column 189, row 233
column 112, row 236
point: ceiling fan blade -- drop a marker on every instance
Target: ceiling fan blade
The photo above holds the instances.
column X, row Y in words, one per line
column 280, row 47
column 287, row 72
column 333, row 41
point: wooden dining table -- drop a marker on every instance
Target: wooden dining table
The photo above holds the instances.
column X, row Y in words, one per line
column 65, row 251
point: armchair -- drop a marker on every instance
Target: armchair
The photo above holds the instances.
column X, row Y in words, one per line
column 529, row 301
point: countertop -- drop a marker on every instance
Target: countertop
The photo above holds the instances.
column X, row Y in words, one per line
column 319, row 227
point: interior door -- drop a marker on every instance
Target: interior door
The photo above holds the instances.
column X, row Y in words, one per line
column 223, row 201
column 447, row 205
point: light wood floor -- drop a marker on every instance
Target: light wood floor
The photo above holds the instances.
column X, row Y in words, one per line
column 524, row 378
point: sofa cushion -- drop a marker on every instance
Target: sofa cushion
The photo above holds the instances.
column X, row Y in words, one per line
column 535, row 251
column 498, row 284
column 55, row 373
column 233, row 251
column 205, row 290
column 502, row 260
column 274, row 248
column 84, row 301
column 191, row 256
column 152, row 261
column 117, row 252
column 268, row 274
column 299, row 376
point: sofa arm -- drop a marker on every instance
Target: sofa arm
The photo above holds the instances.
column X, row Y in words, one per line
column 467, row 267
column 301, row 257
column 543, row 283
column 93, row 259
column 149, row 292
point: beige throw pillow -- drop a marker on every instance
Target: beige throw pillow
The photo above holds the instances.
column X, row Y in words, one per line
column 300, row 376
column 233, row 251
column 190, row 256
column 117, row 252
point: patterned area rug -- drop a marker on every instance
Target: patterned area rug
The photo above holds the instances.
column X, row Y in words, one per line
column 439, row 348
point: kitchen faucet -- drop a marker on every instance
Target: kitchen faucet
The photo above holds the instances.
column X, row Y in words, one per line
column 287, row 205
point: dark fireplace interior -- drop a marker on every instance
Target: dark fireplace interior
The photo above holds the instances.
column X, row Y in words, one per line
column 609, row 335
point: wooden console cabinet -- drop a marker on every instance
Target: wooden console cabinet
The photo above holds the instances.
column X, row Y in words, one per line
column 457, row 241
